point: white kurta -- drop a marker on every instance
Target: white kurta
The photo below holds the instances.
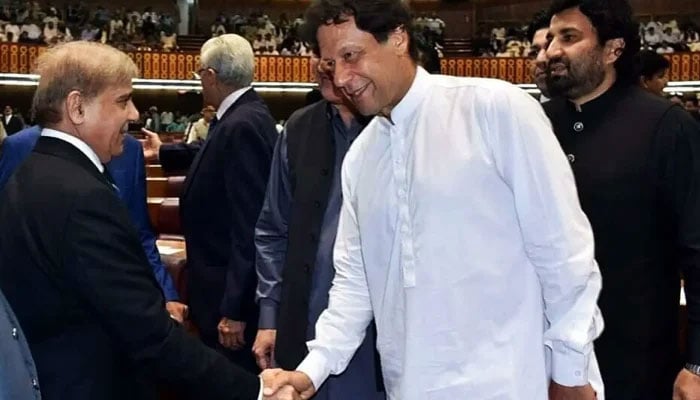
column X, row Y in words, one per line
column 461, row 234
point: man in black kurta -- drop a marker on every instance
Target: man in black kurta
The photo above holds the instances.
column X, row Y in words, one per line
column 636, row 159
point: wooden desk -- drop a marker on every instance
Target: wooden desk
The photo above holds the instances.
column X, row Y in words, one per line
column 156, row 187
column 154, row 171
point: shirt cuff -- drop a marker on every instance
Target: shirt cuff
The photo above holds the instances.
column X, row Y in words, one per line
column 268, row 314
column 569, row 368
column 315, row 366
column 260, row 392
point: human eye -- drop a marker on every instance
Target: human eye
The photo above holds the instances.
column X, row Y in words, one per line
column 351, row 56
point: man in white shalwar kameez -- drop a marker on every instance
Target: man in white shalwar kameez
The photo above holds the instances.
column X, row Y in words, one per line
column 460, row 232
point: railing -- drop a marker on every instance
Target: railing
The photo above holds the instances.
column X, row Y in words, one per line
column 20, row 59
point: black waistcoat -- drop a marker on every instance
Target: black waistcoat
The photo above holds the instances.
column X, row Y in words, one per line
column 311, row 158
column 618, row 161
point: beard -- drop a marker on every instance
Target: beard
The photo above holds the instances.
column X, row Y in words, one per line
column 583, row 75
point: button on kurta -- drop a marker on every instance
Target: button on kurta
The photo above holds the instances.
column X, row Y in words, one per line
column 578, row 126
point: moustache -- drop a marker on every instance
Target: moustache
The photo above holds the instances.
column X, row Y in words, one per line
column 558, row 63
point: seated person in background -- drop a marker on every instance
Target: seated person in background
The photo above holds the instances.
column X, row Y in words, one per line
column 199, row 130
column 691, row 105
column 32, row 32
column 653, row 71
column 652, row 38
column 129, row 175
column 50, row 32
column 12, row 32
column 168, row 39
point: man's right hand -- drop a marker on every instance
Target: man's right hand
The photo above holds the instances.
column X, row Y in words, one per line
column 275, row 380
column 264, row 347
column 151, row 145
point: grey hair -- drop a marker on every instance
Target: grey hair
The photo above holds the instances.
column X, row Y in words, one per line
column 231, row 56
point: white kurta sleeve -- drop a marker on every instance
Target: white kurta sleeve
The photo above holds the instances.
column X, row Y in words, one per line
column 556, row 234
column 341, row 327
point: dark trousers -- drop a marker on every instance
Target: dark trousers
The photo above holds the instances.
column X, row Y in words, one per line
column 243, row 358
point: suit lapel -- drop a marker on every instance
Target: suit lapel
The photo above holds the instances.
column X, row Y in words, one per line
column 247, row 97
column 66, row 151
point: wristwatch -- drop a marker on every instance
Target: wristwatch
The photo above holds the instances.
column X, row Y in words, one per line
column 694, row 368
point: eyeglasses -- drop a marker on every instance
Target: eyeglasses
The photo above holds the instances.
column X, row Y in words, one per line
column 198, row 74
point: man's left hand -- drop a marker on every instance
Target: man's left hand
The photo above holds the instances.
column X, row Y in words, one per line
column 177, row 310
column 231, row 333
column 687, row 386
column 559, row 392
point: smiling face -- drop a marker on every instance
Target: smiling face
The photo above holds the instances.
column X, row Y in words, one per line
column 370, row 74
column 577, row 63
column 105, row 120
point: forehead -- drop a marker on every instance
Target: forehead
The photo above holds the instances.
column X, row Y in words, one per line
column 540, row 36
column 333, row 38
column 116, row 90
column 571, row 19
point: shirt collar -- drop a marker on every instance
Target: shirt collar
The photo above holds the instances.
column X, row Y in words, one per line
column 229, row 100
column 79, row 144
column 602, row 103
column 412, row 99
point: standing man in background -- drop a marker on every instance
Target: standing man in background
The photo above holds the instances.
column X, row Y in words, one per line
column 636, row 159
column 11, row 122
column 537, row 33
column 294, row 238
column 653, row 71
column 222, row 197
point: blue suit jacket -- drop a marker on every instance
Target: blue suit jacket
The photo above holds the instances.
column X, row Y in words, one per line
column 18, row 378
column 129, row 175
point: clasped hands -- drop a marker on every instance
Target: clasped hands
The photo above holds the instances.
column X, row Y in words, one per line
column 286, row 385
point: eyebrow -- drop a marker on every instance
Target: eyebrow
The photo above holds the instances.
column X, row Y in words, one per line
column 125, row 96
column 565, row 31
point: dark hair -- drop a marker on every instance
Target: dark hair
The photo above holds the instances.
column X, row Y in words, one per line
column 694, row 100
column 612, row 19
column 539, row 21
column 649, row 63
column 377, row 17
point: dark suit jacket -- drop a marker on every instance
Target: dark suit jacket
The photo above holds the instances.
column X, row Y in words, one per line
column 14, row 126
column 129, row 175
column 220, row 203
column 18, row 378
column 74, row 271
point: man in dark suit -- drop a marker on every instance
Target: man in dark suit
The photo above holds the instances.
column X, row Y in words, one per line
column 11, row 122
column 129, row 174
column 71, row 264
column 222, row 198
column 18, row 378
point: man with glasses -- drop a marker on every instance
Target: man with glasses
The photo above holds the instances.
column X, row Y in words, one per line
column 222, row 197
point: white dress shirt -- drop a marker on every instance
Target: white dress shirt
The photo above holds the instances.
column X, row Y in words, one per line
column 461, row 234
column 229, row 100
column 79, row 144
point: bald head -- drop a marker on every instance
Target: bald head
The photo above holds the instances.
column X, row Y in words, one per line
column 86, row 67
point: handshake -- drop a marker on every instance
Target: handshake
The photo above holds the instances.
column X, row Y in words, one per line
column 286, row 385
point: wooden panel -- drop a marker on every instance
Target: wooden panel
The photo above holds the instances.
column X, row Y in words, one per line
column 154, row 171
column 156, row 187
column 684, row 67
column 16, row 58
column 21, row 58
